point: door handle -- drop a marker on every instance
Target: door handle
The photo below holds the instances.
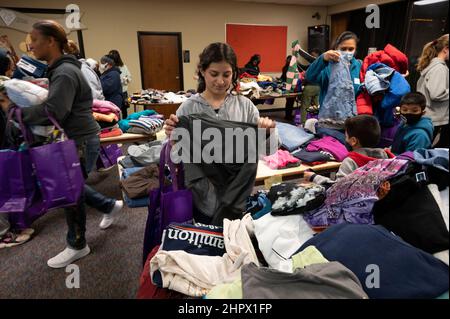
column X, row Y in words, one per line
column 177, row 77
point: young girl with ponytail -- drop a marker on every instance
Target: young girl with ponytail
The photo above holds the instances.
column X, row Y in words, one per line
column 434, row 84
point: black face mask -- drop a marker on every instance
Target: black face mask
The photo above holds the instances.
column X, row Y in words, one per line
column 412, row 119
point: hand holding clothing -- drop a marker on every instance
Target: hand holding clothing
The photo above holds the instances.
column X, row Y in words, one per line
column 170, row 124
column 331, row 55
column 265, row 122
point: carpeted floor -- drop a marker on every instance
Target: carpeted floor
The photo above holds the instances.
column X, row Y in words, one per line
column 113, row 268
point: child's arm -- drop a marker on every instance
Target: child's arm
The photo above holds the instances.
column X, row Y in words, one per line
column 346, row 168
column 418, row 141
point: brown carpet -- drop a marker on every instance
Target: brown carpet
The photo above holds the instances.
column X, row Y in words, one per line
column 112, row 269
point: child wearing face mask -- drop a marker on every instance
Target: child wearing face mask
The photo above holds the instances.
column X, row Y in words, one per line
column 416, row 130
column 362, row 133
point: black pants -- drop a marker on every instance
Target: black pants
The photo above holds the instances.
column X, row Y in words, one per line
column 76, row 216
column 125, row 105
column 233, row 180
column 443, row 141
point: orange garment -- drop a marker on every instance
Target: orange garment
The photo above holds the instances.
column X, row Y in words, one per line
column 112, row 133
column 111, row 117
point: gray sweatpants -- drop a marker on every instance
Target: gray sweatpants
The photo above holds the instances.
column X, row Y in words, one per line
column 4, row 224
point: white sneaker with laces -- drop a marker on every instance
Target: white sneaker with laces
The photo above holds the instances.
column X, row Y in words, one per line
column 108, row 219
column 68, row 256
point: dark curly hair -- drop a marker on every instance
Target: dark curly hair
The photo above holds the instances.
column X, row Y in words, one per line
column 215, row 53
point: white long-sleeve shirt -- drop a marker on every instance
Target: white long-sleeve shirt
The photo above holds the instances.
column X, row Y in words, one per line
column 125, row 77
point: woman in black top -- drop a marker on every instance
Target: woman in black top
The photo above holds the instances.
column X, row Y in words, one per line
column 70, row 102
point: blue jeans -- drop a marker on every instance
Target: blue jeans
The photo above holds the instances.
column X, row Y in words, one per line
column 88, row 151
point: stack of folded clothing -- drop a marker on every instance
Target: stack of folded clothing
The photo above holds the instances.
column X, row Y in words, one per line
column 292, row 137
column 281, row 160
column 138, row 184
column 160, row 97
column 105, row 113
column 331, row 145
column 147, row 124
column 125, row 123
column 111, row 131
column 313, row 158
column 142, row 155
column 135, row 202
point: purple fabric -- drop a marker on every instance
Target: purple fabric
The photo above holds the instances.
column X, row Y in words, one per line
column 409, row 156
column 19, row 193
column 311, row 116
column 108, row 156
column 388, row 134
column 168, row 204
column 330, row 145
column 351, row 198
column 24, row 220
column 59, row 173
column 17, row 183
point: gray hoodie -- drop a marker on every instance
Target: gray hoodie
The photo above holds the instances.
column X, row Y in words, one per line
column 433, row 83
column 93, row 80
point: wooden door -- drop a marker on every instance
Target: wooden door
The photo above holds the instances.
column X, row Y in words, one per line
column 161, row 63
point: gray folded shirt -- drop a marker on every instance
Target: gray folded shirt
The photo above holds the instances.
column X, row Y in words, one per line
column 319, row 281
column 145, row 154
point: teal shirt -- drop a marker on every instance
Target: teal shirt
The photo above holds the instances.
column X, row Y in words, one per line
column 319, row 72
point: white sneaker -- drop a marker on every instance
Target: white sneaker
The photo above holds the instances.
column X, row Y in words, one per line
column 67, row 256
column 108, row 219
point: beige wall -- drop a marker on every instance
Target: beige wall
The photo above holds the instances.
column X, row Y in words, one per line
column 353, row 5
column 114, row 24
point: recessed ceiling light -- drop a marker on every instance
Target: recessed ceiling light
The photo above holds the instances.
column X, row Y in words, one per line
column 425, row 2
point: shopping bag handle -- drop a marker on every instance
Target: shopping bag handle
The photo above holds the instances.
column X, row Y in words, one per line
column 176, row 171
column 25, row 131
column 55, row 122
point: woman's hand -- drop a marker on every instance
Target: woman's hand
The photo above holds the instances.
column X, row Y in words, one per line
column 331, row 55
column 265, row 122
column 170, row 124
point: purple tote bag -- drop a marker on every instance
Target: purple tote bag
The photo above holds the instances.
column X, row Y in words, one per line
column 108, row 156
column 58, row 171
column 20, row 195
column 168, row 203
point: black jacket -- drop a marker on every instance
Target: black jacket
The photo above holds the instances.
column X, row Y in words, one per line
column 231, row 182
column 251, row 69
column 69, row 100
column 112, row 86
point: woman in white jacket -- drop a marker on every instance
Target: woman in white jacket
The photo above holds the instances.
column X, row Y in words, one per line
column 434, row 84
column 125, row 77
